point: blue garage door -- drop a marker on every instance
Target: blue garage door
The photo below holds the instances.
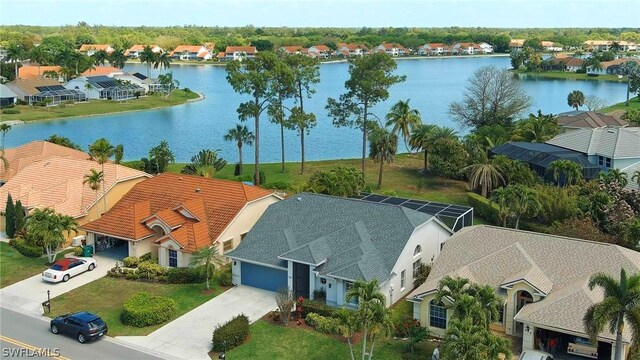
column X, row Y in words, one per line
column 262, row 277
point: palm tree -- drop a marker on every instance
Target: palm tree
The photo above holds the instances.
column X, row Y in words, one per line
column 206, row 163
column 94, row 178
column 118, row 153
column 117, row 58
column 421, row 139
column 99, row 57
column 241, row 135
column 636, row 178
column 445, row 132
column 163, row 61
column 403, row 119
column 500, row 196
column 348, row 325
column 207, row 259
column 462, row 339
column 383, row 146
column 3, row 159
column 168, row 82
column 567, row 168
column 16, row 54
column 161, row 156
column 621, row 303
column 629, row 69
column 4, row 129
column 522, row 200
column 149, row 57
column 538, row 128
column 39, row 55
column 101, row 150
column 617, row 176
column 490, row 303
column 50, row 227
column 372, row 313
column 575, row 99
column 484, row 175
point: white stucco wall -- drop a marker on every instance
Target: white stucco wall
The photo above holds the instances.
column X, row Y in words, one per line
column 244, row 220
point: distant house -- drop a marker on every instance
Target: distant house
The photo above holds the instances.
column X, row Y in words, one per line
column 391, row 49
column 135, row 51
column 348, row 50
column 240, row 52
column 614, row 66
column 104, row 87
column 550, row 46
column 33, row 72
column 43, row 90
column 319, row 51
column 568, row 63
column 516, row 44
column 434, row 49
column 542, row 281
column 467, row 48
column 486, row 48
column 102, row 70
column 574, row 120
column 293, row 49
column 191, row 52
column 312, row 242
column 173, row 215
column 138, row 79
column 90, row 49
column 7, row 98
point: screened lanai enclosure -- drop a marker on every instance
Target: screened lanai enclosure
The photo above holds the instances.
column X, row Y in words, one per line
column 57, row 94
column 540, row 155
column 118, row 90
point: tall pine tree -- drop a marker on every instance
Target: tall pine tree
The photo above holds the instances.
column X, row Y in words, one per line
column 19, row 217
column 10, row 217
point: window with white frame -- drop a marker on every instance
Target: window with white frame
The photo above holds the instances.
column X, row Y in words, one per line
column 402, row 279
column 227, row 245
column 173, row 258
column 416, row 267
column 437, row 315
column 417, row 251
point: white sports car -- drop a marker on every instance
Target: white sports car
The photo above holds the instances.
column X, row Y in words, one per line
column 65, row 268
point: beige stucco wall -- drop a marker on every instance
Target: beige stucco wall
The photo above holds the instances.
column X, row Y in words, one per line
column 244, row 221
column 511, row 305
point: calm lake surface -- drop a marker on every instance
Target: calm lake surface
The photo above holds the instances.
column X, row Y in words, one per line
column 431, row 85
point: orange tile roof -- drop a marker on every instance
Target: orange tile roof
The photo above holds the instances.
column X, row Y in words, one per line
column 62, row 189
column 293, row 48
column 352, row 47
column 101, row 70
column 140, row 47
column 87, row 47
column 27, row 154
column 390, row 46
column 187, row 48
column 516, row 42
column 246, row 49
column 321, row 47
column 32, row 72
column 213, row 202
column 221, row 54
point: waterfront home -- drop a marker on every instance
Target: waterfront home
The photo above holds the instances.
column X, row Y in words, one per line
column 239, row 52
column 7, row 98
column 568, row 63
column 486, row 48
column 348, row 50
column 538, row 156
column 311, row 242
column 135, row 51
column 191, row 52
column 90, row 49
column 608, row 148
column 140, row 80
column 613, row 67
column 56, row 182
column 38, row 90
column 20, row 157
column 543, row 280
column 467, row 48
column 173, row 215
column 104, row 87
column 605, row 45
column 392, row 49
column 516, row 44
column 574, row 120
column 550, row 46
column 434, row 49
column 34, row 71
column 102, row 70
column 319, row 51
column 293, row 50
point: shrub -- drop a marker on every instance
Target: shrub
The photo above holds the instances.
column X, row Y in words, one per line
column 225, row 276
column 147, row 257
column 236, row 170
column 483, row 207
column 320, row 308
column 230, row 334
column 11, row 111
column 184, row 276
column 28, row 250
column 593, row 75
column 422, row 275
column 131, row 261
column 143, row 309
column 77, row 251
column 62, row 106
column 245, row 177
column 581, row 71
column 21, row 102
column 131, row 276
column 323, row 324
column 149, row 270
column 319, row 295
column 279, row 185
column 263, row 177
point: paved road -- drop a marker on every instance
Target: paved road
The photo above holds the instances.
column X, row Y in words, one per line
column 20, row 331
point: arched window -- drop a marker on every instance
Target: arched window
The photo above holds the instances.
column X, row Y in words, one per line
column 437, row 315
column 417, row 251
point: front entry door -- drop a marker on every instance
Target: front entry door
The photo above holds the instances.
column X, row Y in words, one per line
column 300, row 280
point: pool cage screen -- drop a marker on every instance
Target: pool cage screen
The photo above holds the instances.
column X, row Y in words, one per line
column 58, row 96
column 121, row 92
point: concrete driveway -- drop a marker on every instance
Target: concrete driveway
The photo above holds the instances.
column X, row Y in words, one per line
column 27, row 295
column 189, row 336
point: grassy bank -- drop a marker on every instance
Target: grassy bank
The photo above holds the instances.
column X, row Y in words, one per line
column 15, row 267
column 105, row 297
column 634, row 103
column 570, row 76
column 98, row 107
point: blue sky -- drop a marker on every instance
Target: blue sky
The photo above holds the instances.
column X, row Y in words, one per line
column 326, row 13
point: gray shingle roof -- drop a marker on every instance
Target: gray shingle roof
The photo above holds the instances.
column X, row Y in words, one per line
column 558, row 266
column 347, row 238
column 5, row 92
column 615, row 143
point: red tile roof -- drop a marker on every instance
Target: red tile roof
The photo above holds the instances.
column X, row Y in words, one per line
column 28, row 154
column 321, row 47
column 101, row 70
column 87, row 47
column 187, row 48
column 174, row 199
column 32, row 72
column 246, row 49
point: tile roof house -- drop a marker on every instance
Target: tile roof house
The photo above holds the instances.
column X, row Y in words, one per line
column 317, row 242
column 609, row 148
column 319, row 51
column 353, row 49
column 434, row 49
column 102, row 70
column 614, row 66
column 34, row 71
column 605, row 45
column 62, row 189
column 573, row 120
column 91, row 49
column 173, row 215
column 486, row 47
column 467, row 48
column 392, row 49
column 294, row 49
column 542, row 279
column 570, row 63
column 516, row 44
column 135, row 51
column 240, row 52
column 191, row 52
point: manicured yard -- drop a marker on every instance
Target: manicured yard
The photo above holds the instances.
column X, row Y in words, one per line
column 572, row 76
column 98, row 107
column 268, row 341
column 106, row 296
column 15, row 267
column 634, row 103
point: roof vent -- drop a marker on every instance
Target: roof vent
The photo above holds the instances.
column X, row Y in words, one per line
column 197, row 190
column 299, row 198
column 180, row 178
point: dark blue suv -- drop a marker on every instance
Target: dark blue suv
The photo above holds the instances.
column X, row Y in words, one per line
column 83, row 326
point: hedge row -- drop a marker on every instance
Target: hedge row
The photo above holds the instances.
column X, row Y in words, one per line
column 26, row 249
column 230, row 334
column 323, row 324
column 320, row 308
column 143, row 309
column 484, row 208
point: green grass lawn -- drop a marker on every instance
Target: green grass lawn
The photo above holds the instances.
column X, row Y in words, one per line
column 106, row 296
column 634, row 103
column 15, row 267
column 269, row 341
column 98, row 107
column 572, row 76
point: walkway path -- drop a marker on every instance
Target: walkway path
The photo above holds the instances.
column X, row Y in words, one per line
column 189, row 336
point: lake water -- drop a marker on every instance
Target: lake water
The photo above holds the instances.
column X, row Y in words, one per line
column 431, row 85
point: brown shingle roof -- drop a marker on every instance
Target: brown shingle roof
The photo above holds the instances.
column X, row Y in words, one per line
column 589, row 119
column 213, row 202
column 27, row 154
column 28, row 86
